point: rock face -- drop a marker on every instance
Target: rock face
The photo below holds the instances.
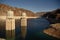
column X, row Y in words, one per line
column 54, row 19
column 56, row 26
column 17, row 11
column 52, row 32
column 53, row 16
column 2, row 39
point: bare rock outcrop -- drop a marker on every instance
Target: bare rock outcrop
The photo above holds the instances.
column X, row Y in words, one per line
column 54, row 30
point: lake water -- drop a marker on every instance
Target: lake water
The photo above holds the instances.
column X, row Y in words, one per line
column 35, row 29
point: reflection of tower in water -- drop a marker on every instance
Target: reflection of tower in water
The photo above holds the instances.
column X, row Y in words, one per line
column 23, row 26
column 10, row 26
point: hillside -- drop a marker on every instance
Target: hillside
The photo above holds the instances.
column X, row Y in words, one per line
column 17, row 11
column 40, row 14
column 54, row 19
column 53, row 16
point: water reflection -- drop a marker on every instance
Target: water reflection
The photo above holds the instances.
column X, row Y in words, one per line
column 34, row 27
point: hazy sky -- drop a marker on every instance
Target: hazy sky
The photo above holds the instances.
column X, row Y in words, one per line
column 34, row 5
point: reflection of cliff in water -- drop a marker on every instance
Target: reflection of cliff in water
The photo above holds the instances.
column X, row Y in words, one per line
column 34, row 27
column 2, row 29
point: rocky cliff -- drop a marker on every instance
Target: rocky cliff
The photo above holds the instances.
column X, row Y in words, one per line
column 17, row 11
column 54, row 18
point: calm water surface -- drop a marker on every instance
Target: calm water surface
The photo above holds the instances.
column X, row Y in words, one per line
column 35, row 29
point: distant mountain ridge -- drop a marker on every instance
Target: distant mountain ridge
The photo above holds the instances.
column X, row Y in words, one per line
column 45, row 14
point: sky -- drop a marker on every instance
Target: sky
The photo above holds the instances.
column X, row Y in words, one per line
column 34, row 5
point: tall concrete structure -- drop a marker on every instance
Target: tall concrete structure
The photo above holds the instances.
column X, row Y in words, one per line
column 10, row 24
column 23, row 25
